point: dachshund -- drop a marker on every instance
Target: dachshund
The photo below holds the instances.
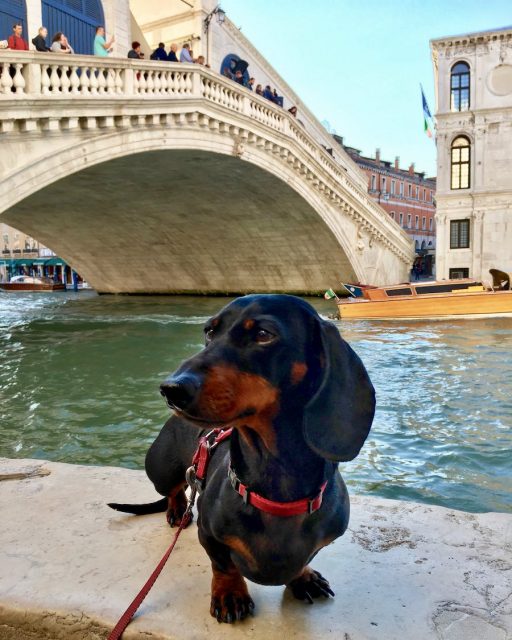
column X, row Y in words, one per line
column 299, row 401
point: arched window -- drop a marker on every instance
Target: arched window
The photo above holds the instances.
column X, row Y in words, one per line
column 459, row 87
column 12, row 11
column 416, row 245
column 423, row 244
column 460, row 163
column 77, row 19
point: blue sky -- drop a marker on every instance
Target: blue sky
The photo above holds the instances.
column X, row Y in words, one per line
column 358, row 65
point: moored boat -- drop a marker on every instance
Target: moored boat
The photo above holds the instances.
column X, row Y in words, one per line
column 432, row 300
column 31, row 283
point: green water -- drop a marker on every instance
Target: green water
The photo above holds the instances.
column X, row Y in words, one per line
column 79, row 377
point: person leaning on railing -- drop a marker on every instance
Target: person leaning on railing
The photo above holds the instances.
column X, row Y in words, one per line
column 39, row 41
column 60, row 44
column 15, row 41
column 135, row 50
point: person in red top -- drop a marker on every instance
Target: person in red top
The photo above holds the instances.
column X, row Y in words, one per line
column 16, row 41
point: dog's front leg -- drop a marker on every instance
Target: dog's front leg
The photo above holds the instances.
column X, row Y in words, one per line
column 230, row 599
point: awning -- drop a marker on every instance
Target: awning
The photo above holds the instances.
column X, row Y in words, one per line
column 32, row 262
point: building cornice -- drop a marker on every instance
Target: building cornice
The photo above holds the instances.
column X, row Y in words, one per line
column 479, row 37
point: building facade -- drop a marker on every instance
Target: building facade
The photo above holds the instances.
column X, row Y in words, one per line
column 409, row 198
column 473, row 77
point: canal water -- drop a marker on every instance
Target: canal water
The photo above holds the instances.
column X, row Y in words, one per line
column 79, row 377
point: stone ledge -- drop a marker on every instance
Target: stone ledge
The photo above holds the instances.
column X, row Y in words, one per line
column 70, row 566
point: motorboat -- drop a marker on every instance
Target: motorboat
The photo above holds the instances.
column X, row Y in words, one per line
column 432, row 300
column 31, row 283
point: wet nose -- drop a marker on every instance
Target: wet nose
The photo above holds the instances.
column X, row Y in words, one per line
column 180, row 391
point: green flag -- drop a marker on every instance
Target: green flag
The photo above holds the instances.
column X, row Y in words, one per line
column 329, row 294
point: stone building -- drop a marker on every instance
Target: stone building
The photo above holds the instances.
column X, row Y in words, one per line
column 407, row 195
column 473, row 79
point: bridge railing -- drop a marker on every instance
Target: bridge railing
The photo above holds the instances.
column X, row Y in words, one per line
column 30, row 76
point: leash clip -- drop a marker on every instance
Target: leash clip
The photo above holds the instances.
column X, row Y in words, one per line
column 192, row 480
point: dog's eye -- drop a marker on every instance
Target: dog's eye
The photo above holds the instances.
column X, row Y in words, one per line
column 264, row 337
column 208, row 335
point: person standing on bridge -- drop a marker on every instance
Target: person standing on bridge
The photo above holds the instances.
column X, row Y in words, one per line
column 39, row 41
column 15, row 41
column 101, row 47
column 185, row 55
column 172, row 57
column 135, row 50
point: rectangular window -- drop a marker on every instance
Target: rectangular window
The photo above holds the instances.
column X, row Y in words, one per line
column 373, row 183
column 409, row 221
column 458, row 273
column 393, row 187
column 417, row 222
column 425, row 195
column 459, row 234
column 431, row 224
column 392, row 214
column 401, row 219
column 384, row 185
column 417, row 193
column 410, row 191
column 401, row 188
column 424, row 222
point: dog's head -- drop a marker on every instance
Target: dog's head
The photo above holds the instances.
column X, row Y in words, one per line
column 269, row 354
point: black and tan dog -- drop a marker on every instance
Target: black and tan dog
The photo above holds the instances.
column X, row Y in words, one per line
column 300, row 401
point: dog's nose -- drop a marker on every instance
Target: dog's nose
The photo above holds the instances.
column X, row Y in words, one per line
column 180, row 391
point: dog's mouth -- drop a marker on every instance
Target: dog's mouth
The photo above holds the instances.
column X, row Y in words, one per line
column 211, row 422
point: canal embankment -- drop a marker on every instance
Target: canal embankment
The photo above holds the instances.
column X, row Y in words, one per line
column 70, row 566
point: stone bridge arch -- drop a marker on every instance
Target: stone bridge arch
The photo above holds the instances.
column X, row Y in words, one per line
column 139, row 213
column 169, row 178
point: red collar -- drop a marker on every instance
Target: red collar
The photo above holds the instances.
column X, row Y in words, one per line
column 196, row 475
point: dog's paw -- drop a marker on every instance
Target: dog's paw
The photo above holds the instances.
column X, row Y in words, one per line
column 310, row 584
column 231, row 606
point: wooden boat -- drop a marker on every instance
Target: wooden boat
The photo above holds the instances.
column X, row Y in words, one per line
column 432, row 300
column 31, row 283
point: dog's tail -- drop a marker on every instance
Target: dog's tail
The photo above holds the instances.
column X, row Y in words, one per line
column 141, row 509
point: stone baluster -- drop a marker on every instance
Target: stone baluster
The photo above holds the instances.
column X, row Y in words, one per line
column 142, row 82
column 102, row 81
column 93, row 80
column 150, row 84
column 164, row 84
column 45, row 79
column 205, row 88
column 19, row 80
column 110, row 79
column 6, row 78
column 188, row 83
column 65, row 82
column 135, row 81
column 118, row 82
column 183, row 82
column 158, row 83
column 74, row 81
column 85, row 83
column 54, row 79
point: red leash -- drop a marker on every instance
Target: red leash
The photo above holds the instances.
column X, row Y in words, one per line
column 137, row 601
column 195, row 477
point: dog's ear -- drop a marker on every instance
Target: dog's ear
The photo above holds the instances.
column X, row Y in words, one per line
column 338, row 417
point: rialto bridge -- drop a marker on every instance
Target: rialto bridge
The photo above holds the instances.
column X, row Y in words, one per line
column 159, row 177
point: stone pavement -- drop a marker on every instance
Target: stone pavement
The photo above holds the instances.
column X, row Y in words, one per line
column 69, row 566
